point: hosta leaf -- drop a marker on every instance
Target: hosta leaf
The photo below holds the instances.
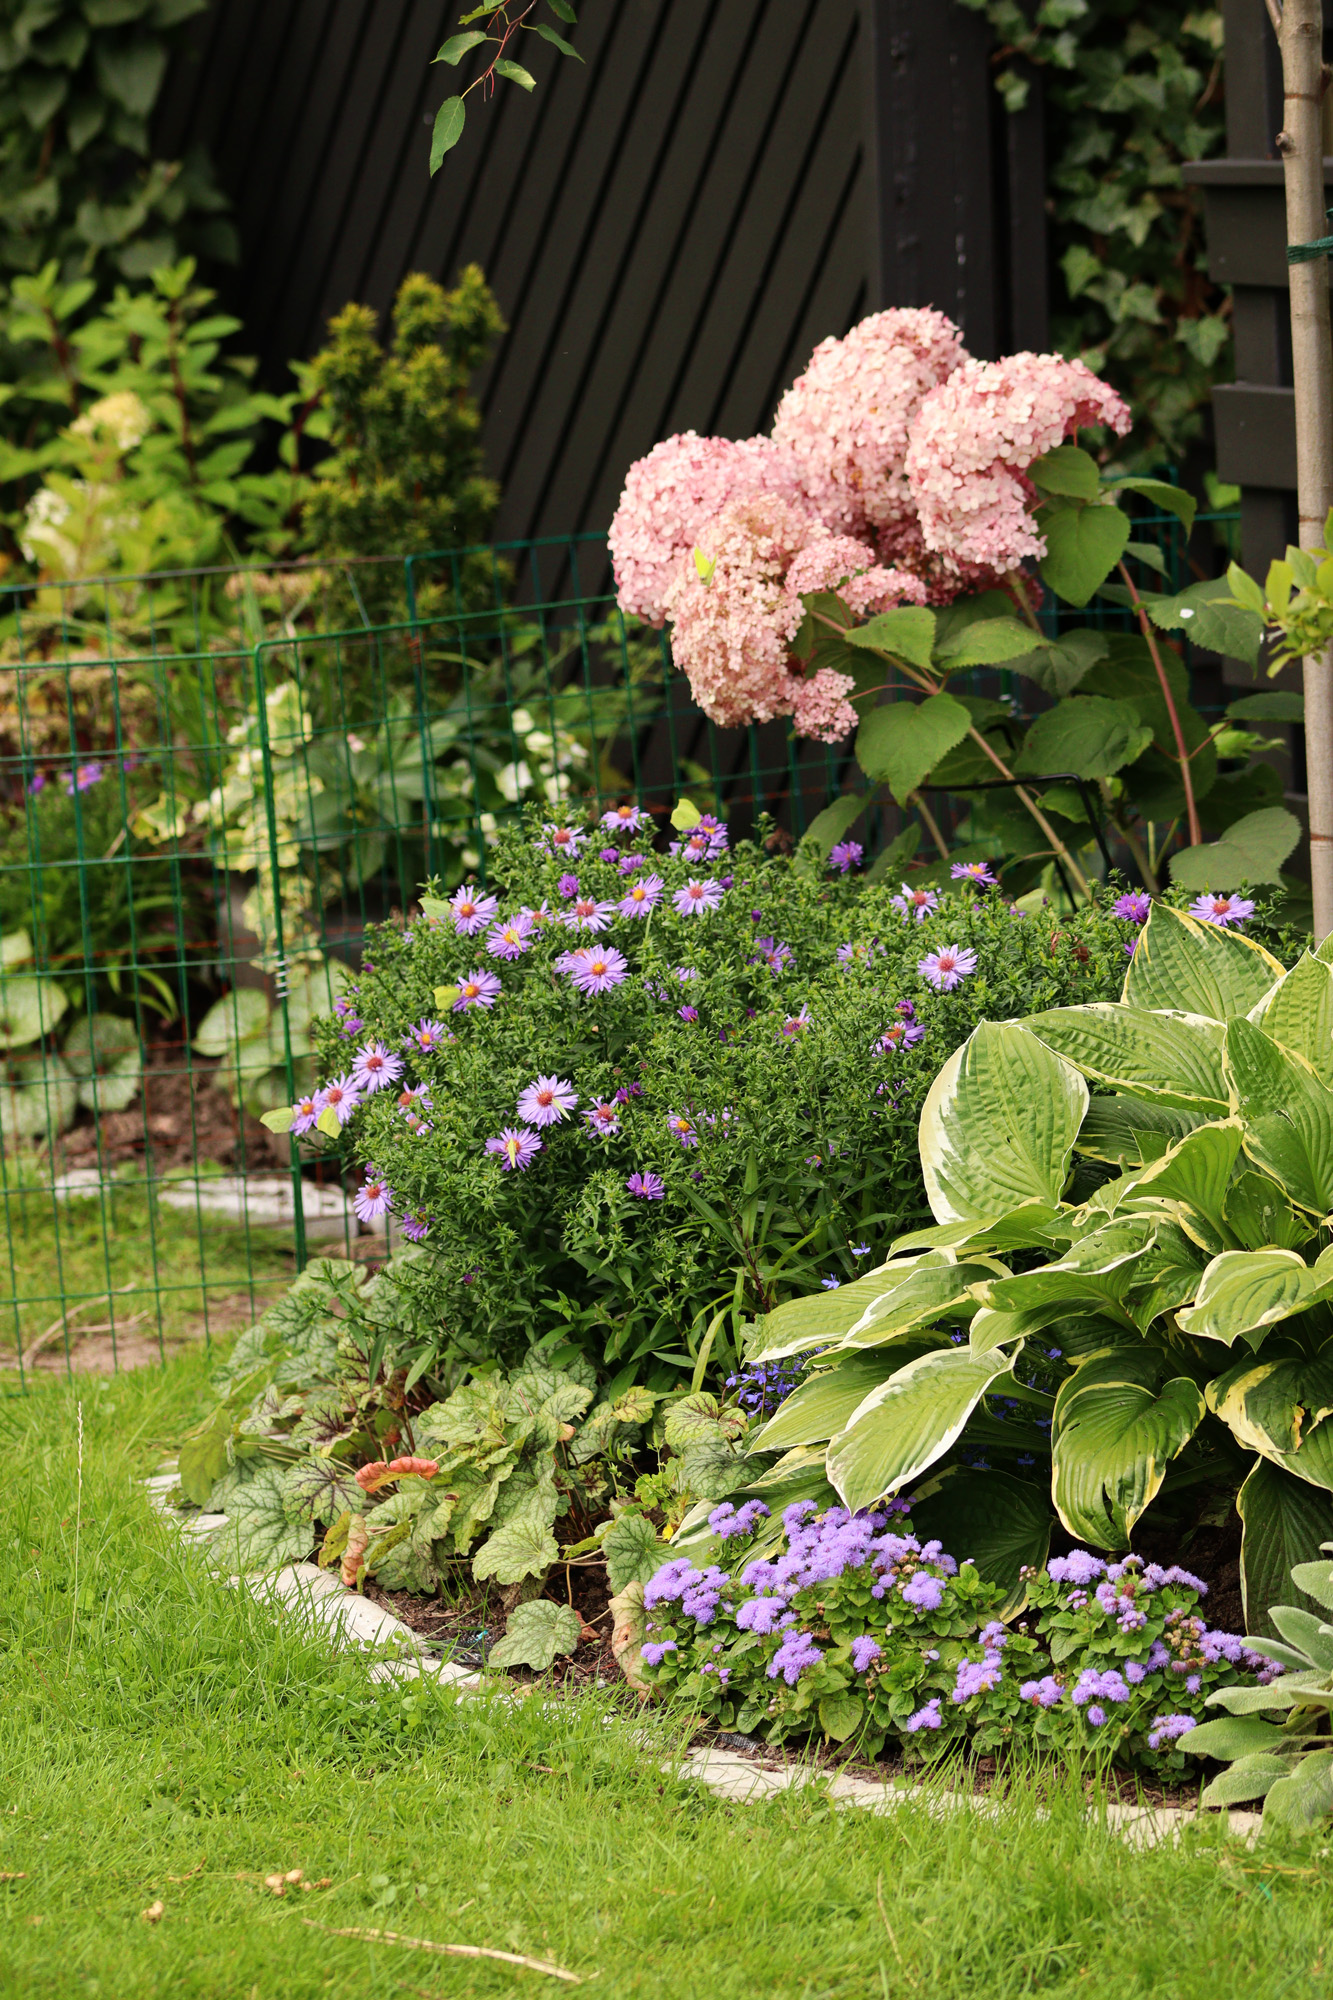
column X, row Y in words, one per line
column 1193, row 1173
column 998, row 1125
column 1169, row 1058
column 1259, row 1215
column 524, row 1547
column 1033, row 1226
column 259, row 1532
column 1244, row 1291
column 819, row 1320
column 930, row 1292
column 1096, row 1274
column 535, row 1633
column 240, row 1016
column 1117, row 1426
column 1196, row 968
column 1124, row 1131
column 909, row 1421
column 1298, row 1014
column 1288, row 1115
column 1277, row 1408
column 1001, row 1524
column 821, row 1407
column 1284, row 1522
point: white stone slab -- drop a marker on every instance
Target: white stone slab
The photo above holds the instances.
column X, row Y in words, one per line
column 324, row 1597
column 445, row 1671
column 264, row 1201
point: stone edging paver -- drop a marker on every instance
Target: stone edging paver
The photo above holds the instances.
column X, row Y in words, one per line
column 345, row 1615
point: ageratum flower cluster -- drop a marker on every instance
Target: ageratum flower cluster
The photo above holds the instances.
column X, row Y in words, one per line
column 857, row 1628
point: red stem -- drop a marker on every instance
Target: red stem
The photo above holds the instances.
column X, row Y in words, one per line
column 1191, row 810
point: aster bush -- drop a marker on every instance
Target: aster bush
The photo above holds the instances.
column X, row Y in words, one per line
column 629, row 1099
column 853, row 1627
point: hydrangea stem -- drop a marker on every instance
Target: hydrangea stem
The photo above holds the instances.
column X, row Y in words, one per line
column 917, row 799
column 1183, row 755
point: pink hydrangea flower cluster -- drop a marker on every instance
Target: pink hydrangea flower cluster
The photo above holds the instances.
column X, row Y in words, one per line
column 974, row 439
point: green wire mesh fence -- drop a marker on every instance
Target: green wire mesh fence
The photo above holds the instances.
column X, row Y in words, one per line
column 210, row 784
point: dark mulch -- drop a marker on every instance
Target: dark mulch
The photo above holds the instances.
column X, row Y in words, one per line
column 180, row 1117
column 465, row 1626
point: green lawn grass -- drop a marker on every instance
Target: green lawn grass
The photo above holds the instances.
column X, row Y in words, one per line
column 162, row 1738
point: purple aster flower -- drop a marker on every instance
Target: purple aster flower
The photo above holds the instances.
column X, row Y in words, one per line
column 373, row 1201
column 562, row 840
column 973, row 871
column 305, row 1113
column 697, row 897
column 414, row 1098
column 511, row 939
column 416, row 1226
column 37, row 783
column 430, row 1035
column 477, row 989
column 568, row 886
column 603, row 1119
column 948, row 966
column 517, row 1148
column 846, row 855
column 646, row 1186
column 585, row 913
column 796, row 1024
column 629, row 864
column 622, row 819
column 472, row 911
column 608, row 854
column 772, row 954
column 918, row 903
column 375, row 1067
column 341, row 1097
column 596, row 969
column 1221, row 910
column 688, row 1013
column 640, row 899
column 925, row 1718
column 546, row 1101
column 1133, row 908
column 864, row 1650
column 352, row 1025
column 682, row 1128
column 83, row 778
column 902, row 1035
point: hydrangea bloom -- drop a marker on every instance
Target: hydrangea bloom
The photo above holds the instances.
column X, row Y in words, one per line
column 848, row 417
column 974, row 439
column 1221, row 910
column 546, row 1101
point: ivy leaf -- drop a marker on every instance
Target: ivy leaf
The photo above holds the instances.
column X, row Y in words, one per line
column 132, row 75
column 516, row 73
column 457, row 47
column 829, row 826
column 523, row 1547
column 447, row 132
column 563, row 11
column 1088, row 736
column 1252, row 850
column 535, row 1633
column 900, row 743
column 549, row 34
column 1083, row 546
column 1067, row 470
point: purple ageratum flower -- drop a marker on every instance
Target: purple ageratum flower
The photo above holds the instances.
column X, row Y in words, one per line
column 83, row 778
column 1133, row 908
column 374, row 1200
column 568, row 886
column 515, row 1148
column 305, row 1114
column 928, row 1717
column 654, row 1651
column 546, row 1101
column 641, row 898
column 864, row 1650
column 902, row 1035
column 728, row 1521
column 977, row 1676
column 918, row 903
column 796, row 1024
column 646, row 1186
column 797, row 1652
column 472, row 911
column 375, row 1067
column 603, row 1119
column 561, row 841
column 924, row 1591
column 1045, row 1693
column 846, row 855
column 585, row 913
column 1168, row 1728
column 1078, row 1567
column 1096, row 1716
column 1221, row 910
column 761, row 1614
column 682, row 1128
column 415, row 1225
column 772, row 954
column 477, row 989
column 341, row 1097
column 622, row 819
column 697, row 899
column 596, row 969
column 973, row 871
column 511, row 939
column 947, row 967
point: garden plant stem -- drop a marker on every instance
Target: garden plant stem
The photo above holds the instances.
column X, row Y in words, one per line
column 1182, row 754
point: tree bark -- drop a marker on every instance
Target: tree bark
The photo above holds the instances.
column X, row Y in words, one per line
column 1300, row 27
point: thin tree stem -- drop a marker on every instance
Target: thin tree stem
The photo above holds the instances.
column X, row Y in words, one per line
column 1182, row 754
column 1025, row 797
column 932, row 824
column 1017, row 583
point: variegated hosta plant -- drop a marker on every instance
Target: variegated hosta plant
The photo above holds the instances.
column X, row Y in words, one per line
column 1138, row 1192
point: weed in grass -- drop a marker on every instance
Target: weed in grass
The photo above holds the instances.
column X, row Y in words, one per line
column 198, row 1747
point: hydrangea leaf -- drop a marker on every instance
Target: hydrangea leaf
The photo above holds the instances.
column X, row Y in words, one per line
column 907, row 632
column 535, row 1633
column 998, row 1125
column 259, row 1533
column 1088, row 736
column 1083, row 546
column 1117, row 1426
column 1253, row 849
column 901, row 742
column 523, row 1547
column 909, row 1421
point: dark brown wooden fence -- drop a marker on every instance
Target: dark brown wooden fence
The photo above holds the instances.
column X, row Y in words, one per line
column 670, row 226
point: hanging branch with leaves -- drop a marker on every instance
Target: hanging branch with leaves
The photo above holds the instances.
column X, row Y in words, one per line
column 499, row 33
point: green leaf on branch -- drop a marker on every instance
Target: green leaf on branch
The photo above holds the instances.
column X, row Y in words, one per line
column 1149, row 553
column 457, row 47
column 548, row 34
column 1060, row 665
column 1208, row 617
column 908, row 632
column 829, row 826
column 1252, row 850
column 1087, row 736
column 563, row 11
column 1067, row 470
column 1167, row 499
column 448, row 130
column 899, row 743
column 1083, row 546
column 535, row 1633
column 516, row 73
column 990, row 642
column 1275, row 707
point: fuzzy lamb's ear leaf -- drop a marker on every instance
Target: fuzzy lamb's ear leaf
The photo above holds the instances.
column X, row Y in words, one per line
column 1303, row 1797
column 1233, row 1736
column 1249, row 1778
column 998, row 1125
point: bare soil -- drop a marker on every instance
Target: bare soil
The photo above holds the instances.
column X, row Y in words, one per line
column 180, row 1117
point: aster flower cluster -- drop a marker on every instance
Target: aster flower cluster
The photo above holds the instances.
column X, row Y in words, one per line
column 896, row 473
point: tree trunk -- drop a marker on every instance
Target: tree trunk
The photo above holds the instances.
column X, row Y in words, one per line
column 1300, row 28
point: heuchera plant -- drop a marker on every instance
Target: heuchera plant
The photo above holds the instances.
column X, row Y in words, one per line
column 851, row 1626
column 917, row 514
